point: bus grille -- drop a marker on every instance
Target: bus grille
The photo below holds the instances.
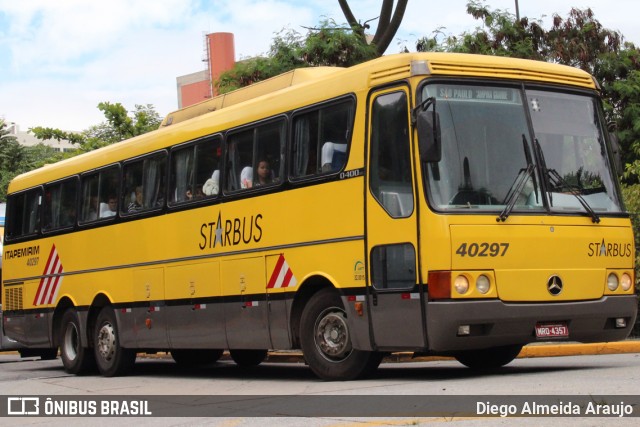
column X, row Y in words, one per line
column 13, row 298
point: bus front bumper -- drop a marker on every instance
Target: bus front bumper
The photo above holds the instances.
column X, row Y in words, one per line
column 493, row 323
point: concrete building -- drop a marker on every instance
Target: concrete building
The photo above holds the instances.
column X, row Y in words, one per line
column 28, row 139
column 219, row 56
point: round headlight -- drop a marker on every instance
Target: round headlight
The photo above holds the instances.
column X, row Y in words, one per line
column 625, row 281
column 483, row 284
column 461, row 284
column 612, row 282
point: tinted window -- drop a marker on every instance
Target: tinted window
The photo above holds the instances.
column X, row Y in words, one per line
column 390, row 166
column 321, row 138
column 195, row 171
column 99, row 194
column 254, row 156
column 23, row 214
column 60, row 205
column 144, row 184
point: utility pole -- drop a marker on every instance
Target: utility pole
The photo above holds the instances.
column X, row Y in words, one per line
column 517, row 11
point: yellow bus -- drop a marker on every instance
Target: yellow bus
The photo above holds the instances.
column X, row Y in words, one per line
column 434, row 203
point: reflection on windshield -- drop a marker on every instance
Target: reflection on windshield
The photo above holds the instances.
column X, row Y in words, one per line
column 487, row 163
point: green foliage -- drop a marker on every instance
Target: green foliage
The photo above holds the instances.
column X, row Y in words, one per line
column 16, row 159
column 119, row 125
column 631, row 196
column 328, row 45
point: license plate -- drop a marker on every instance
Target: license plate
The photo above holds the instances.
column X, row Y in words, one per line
column 552, row 330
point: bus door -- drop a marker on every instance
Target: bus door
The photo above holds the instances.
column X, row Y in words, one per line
column 394, row 298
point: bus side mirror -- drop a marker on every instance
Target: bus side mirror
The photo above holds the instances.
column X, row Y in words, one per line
column 429, row 138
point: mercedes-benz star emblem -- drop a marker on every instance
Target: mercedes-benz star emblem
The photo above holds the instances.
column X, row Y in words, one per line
column 554, row 285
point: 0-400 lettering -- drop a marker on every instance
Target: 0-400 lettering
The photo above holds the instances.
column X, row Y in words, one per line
column 483, row 249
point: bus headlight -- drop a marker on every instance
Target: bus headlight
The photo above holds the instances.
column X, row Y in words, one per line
column 625, row 281
column 461, row 284
column 612, row 282
column 483, row 284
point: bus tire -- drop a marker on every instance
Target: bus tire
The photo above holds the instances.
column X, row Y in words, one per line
column 112, row 359
column 196, row 357
column 76, row 359
column 326, row 340
column 488, row 358
column 248, row 358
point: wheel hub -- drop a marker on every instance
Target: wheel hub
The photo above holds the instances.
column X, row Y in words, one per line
column 106, row 341
column 332, row 335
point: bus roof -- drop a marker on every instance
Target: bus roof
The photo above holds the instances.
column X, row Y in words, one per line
column 303, row 86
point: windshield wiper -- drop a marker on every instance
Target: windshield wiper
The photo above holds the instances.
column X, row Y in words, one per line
column 556, row 180
column 514, row 192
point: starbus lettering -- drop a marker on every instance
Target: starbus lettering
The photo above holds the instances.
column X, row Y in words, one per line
column 230, row 232
column 609, row 249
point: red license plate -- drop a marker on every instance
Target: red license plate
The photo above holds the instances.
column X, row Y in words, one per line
column 552, row 330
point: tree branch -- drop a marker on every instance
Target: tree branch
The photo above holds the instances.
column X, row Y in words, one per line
column 392, row 28
column 385, row 16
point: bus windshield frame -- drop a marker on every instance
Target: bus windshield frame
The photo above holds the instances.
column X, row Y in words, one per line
column 519, row 148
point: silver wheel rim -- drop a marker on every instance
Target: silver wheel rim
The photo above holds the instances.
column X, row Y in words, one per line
column 71, row 342
column 332, row 335
column 106, row 342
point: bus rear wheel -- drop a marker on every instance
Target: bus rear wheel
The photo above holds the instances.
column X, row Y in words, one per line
column 326, row 340
column 488, row 358
column 196, row 357
column 76, row 359
column 112, row 359
column 248, row 358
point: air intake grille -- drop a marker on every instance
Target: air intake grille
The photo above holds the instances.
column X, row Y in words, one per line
column 12, row 298
column 541, row 73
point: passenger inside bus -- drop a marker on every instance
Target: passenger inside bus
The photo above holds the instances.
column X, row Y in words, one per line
column 211, row 186
column 109, row 209
column 136, row 204
column 333, row 156
column 265, row 175
column 246, row 177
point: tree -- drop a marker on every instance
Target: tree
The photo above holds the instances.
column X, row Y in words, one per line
column 327, row 45
column 388, row 24
column 119, row 125
column 16, row 159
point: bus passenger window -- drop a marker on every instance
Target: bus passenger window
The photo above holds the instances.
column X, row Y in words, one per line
column 143, row 187
column 195, row 171
column 321, row 139
column 60, row 205
column 246, row 170
column 98, row 194
column 23, row 214
column 270, row 148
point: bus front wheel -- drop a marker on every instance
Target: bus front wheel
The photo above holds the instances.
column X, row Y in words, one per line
column 76, row 359
column 488, row 358
column 326, row 340
column 112, row 359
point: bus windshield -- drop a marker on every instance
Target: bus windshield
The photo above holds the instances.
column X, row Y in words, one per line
column 491, row 160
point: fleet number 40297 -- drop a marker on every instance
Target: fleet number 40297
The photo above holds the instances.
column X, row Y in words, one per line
column 483, row 249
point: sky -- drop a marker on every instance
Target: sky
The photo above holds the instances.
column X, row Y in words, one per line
column 59, row 59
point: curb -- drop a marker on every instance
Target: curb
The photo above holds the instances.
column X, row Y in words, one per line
column 528, row 351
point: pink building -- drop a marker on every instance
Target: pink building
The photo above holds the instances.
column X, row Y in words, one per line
column 219, row 57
